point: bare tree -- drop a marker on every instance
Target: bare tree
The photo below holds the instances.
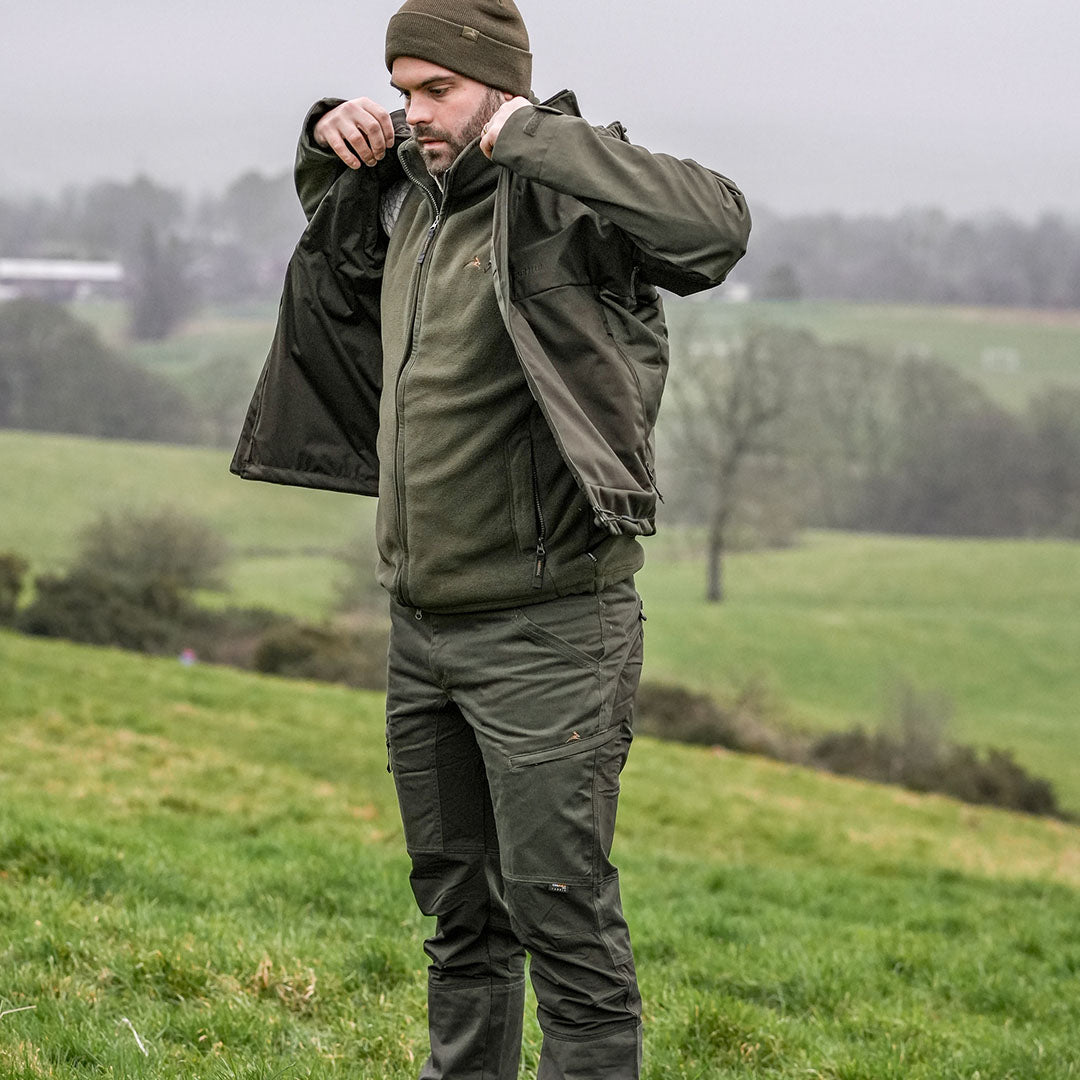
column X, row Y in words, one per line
column 727, row 398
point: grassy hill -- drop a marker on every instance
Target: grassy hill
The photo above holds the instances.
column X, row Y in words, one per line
column 53, row 485
column 212, row 861
column 830, row 629
column 1011, row 353
column 826, row 630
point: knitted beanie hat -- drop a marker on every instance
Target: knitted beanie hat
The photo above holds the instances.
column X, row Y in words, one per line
column 483, row 39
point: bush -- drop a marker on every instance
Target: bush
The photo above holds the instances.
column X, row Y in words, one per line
column 909, row 749
column 130, row 582
column 230, row 636
column 100, row 609
column 163, row 546
column 299, row 650
column 673, row 712
column 12, row 571
column 956, row 770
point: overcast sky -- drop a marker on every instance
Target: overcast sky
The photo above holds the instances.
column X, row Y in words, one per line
column 847, row 105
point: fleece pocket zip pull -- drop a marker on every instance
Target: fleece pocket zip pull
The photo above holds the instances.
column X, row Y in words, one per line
column 541, row 551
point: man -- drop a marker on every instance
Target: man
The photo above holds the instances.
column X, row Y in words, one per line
column 477, row 284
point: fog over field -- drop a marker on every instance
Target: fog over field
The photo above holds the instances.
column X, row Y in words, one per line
column 842, row 105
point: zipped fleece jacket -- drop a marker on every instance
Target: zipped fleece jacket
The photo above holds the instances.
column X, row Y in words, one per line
column 585, row 228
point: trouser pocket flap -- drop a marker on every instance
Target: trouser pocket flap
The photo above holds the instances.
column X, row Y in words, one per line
column 564, row 750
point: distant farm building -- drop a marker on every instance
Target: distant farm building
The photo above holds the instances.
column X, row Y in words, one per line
column 59, row 279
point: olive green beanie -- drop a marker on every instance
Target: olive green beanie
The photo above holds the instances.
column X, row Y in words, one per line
column 483, row 39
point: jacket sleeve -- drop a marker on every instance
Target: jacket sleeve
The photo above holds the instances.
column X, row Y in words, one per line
column 689, row 223
column 316, row 169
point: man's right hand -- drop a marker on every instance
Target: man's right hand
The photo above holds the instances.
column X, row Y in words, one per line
column 357, row 131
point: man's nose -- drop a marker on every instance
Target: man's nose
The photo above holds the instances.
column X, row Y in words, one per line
column 417, row 112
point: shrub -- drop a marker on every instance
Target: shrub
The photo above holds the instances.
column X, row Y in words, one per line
column 12, row 571
column 673, row 712
column 299, row 650
column 100, row 609
column 909, row 749
column 163, row 546
column 955, row 770
column 229, row 636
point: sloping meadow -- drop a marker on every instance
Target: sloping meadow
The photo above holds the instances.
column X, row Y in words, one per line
column 201, row 875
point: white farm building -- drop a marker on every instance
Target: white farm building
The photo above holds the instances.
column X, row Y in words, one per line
column 59, row 279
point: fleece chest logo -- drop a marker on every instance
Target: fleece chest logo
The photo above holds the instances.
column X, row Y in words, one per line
column 476, row 264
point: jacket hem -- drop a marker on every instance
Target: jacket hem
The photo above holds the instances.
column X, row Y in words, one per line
column 271, row 474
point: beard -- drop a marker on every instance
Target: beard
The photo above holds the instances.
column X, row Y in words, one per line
column 438, row 161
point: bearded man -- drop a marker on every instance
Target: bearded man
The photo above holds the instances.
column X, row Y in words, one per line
column 471, row 329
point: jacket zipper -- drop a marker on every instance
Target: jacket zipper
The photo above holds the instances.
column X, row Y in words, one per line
column 399, row 389
column 541, row 528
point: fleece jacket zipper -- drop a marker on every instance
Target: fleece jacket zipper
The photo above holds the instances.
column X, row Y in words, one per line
column 399, row 389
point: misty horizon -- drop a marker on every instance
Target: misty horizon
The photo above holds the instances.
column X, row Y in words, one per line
column 810, row 109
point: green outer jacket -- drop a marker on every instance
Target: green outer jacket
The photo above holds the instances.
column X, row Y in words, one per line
column 586, row 227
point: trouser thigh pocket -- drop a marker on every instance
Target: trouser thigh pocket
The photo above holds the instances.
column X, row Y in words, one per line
column 550, row 811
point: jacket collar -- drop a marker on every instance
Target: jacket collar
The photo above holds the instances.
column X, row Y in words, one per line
column 470, row 177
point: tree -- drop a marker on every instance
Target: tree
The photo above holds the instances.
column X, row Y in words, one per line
column 115, row 217
column 1055, row 422
column 781, row 283
column 162, row 293
column 56, row 374
column 163, row 546
column 727, row 399
column 956, row 464
column 841, row 429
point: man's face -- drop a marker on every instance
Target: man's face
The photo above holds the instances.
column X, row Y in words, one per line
column 446, row 111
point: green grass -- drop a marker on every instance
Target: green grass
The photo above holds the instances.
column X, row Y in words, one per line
column 982, row 342
column 1012, row 353
column 827, row 628
column 51, row 486
column 209, row 335
column 216, row 857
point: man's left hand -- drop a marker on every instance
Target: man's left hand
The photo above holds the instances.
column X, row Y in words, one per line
column 494, row 125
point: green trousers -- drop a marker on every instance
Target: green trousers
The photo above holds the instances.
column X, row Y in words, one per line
column 507, row 732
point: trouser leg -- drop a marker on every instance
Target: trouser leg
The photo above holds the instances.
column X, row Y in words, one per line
column 475, row 980
column 552, row 710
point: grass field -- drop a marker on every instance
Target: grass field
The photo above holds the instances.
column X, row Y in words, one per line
column 51, row 486
column 211, row 861
column 1012, row 353
column 827, row 628
column 210, row 334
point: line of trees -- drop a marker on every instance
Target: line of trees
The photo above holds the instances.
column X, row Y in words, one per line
column 918, row 256
column 175, row 251
column 234, row 246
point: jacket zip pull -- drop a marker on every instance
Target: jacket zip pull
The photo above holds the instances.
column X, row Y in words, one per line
column 541, row 529
column 541, row 562
column 652, row 479
column 428, row 239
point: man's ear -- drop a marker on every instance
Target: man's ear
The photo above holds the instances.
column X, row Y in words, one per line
column 506, row 96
